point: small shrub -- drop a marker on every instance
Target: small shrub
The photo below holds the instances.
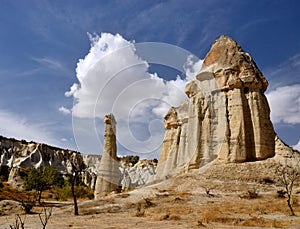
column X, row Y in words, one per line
column 268, row 180
column 253, row 193
column 148, row 202
column 90, row 196
column 140, row 212
column 27, row 204
column 281, row 193
column 250, row 194
column 165, row 217
column 131, row 159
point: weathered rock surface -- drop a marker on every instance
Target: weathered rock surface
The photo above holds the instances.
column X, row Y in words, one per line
column 15, row 156
column 141, row 173
column 92, row 163
column 227, row 116
column 108, row 176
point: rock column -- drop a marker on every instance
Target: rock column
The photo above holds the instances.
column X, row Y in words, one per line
column 108, row 171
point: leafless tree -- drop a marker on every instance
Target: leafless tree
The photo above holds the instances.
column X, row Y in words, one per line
column 19, row 223
column 288, row 173
column 78, row 166
column 45, row 216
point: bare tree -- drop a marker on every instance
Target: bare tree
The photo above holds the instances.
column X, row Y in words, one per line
column 288, row 174
column 45, row 216
column 78, row 166
column 19, row 223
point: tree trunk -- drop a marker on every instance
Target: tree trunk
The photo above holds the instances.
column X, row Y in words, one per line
column 74, row 195
column 290, row 206
column 40, row 197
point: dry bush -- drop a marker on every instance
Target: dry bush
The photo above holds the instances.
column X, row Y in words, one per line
column 28, row 203
column 19, row 223
column 250, row 194
column 45, row 216
column 281, row 193
column 169, row 216
column 148, row 203
column 140, row 211
column 289, row 174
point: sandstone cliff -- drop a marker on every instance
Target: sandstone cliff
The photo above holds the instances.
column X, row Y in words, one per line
column 227, row 116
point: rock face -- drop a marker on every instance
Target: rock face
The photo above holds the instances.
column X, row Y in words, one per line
column 15, row 156
column 141, row 173
column 92, row 163
column 108, row 176
column 227, row 116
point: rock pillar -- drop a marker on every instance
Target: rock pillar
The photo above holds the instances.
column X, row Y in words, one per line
column 108, row 171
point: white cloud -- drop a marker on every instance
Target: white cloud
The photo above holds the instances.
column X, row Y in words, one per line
column 12, row 125
column 73, row 89
column 192, row 67
column 64, row 110
column 297, row 146
column 114, row 79
column 285, row 104
column 111, row 69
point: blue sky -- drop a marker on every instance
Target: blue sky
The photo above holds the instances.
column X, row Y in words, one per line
column 42, row 42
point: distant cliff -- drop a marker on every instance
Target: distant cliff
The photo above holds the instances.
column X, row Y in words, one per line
column 17, row 155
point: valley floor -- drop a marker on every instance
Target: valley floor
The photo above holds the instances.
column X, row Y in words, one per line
column 223, row 196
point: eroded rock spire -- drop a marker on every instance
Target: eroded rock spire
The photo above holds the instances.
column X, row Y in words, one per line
column 108, row 172
column 227, row 116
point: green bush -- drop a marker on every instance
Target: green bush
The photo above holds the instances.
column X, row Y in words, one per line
column 132, row 159
column 65, row 192
column 41, row 180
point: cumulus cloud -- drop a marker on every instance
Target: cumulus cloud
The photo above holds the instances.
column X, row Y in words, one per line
column 113, row 78
column 11, row 125
column 297, row 146
column 64, row 110
column 73, row 89
column 111, row 69
column 285, row 104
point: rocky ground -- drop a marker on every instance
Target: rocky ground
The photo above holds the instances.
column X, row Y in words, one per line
column 218, row 196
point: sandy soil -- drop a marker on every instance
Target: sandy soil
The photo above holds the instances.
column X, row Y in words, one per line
column 216, row 197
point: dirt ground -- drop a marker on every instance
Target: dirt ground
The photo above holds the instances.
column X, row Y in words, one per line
column 218, row 196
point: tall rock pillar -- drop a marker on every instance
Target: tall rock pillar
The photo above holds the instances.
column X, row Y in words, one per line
column 108, row 172
column 227, row 116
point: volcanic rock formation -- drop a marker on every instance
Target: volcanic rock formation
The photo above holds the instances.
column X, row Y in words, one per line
column 16, row 156
column 227, row 116
column 108, row 174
